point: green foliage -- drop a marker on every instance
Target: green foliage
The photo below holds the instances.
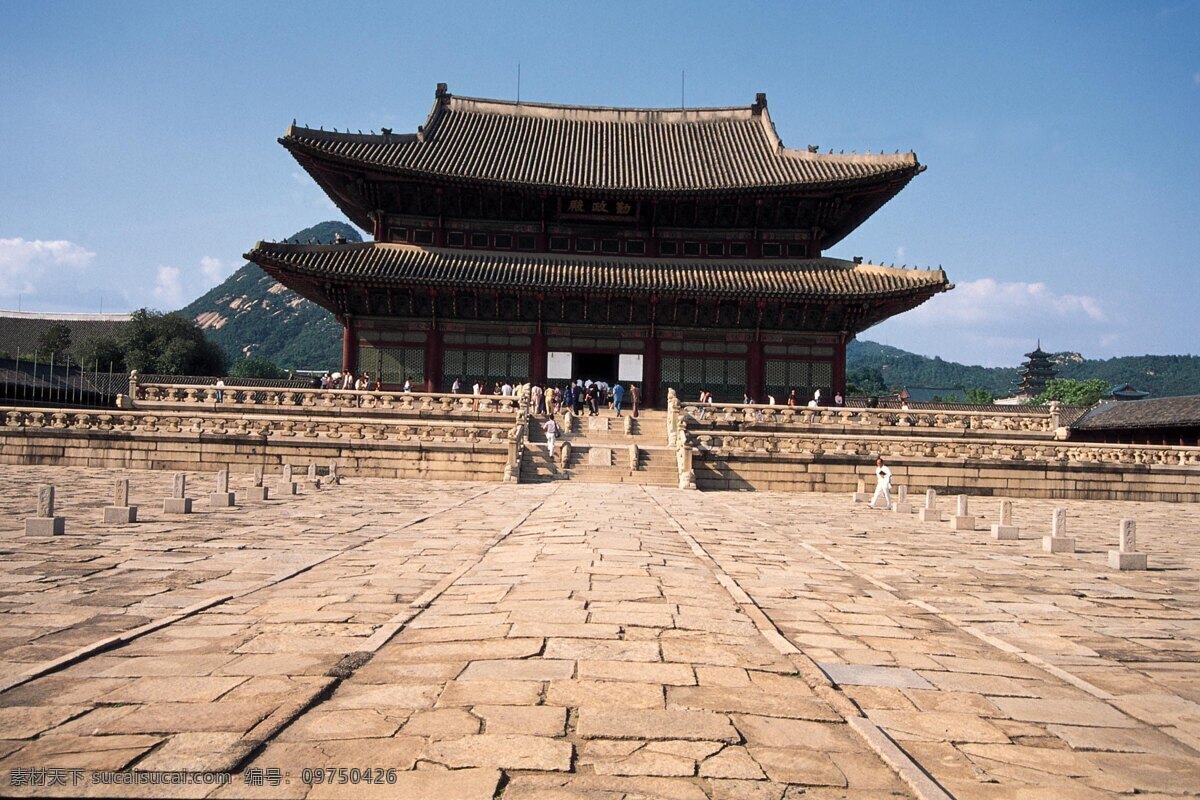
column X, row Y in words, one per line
column 979, row 396
column 256, row 367
column 169, row 344
column 865, row 381
column 278, row 325
column 1071, row 392
column 1161, row 376
column 104, row 353
column 55, row 340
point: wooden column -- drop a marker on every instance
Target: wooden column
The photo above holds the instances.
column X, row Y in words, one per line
column 650, row 376
column 839, row 367
column 537, row 369
column 756, row 378
column 349, row 346
column 433, row 361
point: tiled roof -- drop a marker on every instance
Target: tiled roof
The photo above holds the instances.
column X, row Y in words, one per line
column 20, row 330
column 1159, row 412
column 819, row 278
column 588, row 148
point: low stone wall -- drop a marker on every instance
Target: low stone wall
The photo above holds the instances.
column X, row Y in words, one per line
column 450, row 450
column 1004, row 467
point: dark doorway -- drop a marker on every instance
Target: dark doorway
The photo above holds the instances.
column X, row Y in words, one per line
column 595, row 367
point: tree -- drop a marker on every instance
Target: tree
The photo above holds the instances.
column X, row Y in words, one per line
column 100, row 353
column 980, row 396
column 256, row 367
column 169, row 344
column 1071, row 392
column 56, row 340
column 865, row 381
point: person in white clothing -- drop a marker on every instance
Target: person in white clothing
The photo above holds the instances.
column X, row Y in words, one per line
column 551, row 429
column 883, row 484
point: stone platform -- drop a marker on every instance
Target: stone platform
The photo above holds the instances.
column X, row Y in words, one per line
column 581, row 640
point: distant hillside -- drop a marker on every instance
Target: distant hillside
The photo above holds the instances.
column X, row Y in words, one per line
column 251, row 314
column 1161, row 376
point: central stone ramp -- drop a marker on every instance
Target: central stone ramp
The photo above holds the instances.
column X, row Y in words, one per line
column 590, row 651
column 600, row 450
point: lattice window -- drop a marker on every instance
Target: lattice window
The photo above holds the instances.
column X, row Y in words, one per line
column 392, row 364
column 669, row 370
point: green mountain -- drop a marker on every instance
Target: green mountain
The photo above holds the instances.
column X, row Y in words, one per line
column 1161, row 376
column 251, row 314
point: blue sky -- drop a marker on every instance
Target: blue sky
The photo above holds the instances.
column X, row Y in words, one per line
column 1063, row 139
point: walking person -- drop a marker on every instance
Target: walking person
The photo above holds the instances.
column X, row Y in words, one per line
column 550, row 426
column 618, row 396
column 634, row 397
column 883, row 484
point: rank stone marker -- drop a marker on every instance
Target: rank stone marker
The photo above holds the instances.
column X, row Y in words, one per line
column 860, row 494
column 902, row 506
column 930, row 512
column 222, row 497
column 961, row 521
column 1127, row 557
column 334, row 478
column 288, row 485
column 178, row 502
column 1058, row 541
column 120, row 512
column 259, row 491
column 45, row 523
column 1004, row 529
column 313, row 480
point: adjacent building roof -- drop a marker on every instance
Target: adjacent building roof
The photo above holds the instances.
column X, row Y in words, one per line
column 633, row 150
column 379, row 264
column 1161, row 412
column 20, row 330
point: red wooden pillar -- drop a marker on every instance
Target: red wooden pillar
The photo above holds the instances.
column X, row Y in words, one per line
column 433, row 361
column 839, row 367
column 651, row 385
column 756, row 377
column 537, row 370
column 349, row 346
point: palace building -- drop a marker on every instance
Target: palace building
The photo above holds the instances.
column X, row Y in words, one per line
column 523, row 241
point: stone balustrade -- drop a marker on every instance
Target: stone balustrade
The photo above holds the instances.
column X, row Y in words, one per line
column 275, row 426
column 259, row 399
column 718, row 444
column 987, row 423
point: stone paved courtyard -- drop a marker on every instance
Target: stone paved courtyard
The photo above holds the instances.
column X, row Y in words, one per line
column 588, row 640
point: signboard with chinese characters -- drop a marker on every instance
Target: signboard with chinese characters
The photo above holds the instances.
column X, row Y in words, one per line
column 591, row 208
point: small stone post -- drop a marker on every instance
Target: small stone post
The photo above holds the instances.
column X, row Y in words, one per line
column 120, row 512
column 334, row 478
column 178, row 502
column 259, row 491
column 288, row 485
column 222, row 497
column 45, row 523
column 1127, row 557
column 931, row 513
column 962, row 521
column 1004, row 529
column 313, row 480
column 1058, row 541
column 860, row 492
column 902, row 506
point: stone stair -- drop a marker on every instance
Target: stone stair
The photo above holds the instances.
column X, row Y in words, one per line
column 600, row 451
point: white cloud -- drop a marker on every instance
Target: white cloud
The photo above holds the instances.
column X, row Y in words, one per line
column 994, row 322
column 168, row 288
column 214, row 271
column 24, row 262
column 900, row 254
column 175, row 287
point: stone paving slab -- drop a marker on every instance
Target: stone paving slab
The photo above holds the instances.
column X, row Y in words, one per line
column 597, row 641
